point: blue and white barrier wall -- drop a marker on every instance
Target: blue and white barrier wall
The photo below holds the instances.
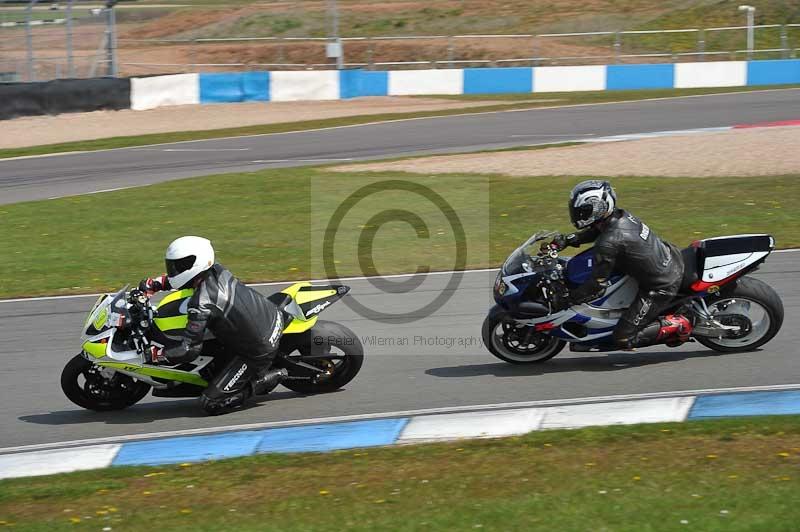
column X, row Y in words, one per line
column 179, row 89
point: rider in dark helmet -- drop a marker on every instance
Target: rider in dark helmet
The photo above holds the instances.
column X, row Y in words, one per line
column 244, row 321
column 624, row 244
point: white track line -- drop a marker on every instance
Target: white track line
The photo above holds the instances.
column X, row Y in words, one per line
column 401, row 413
column 412, row 119
column 270, row 283
column 275, row 283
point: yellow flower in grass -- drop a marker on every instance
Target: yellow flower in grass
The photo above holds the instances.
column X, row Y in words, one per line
column 324, row 492
column 783, row 455
column 712, row 456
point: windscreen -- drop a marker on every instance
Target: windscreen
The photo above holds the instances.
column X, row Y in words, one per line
column 519, row 261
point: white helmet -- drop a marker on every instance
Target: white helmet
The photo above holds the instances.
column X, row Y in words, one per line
column 590, row 202
column 186, row 258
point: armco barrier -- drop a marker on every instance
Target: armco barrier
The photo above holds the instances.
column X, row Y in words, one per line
column 159, row 91
column 776, row 72
column 181, row 89
column 235, row 87
column 497, row 80
column 63, row 96
column 632, row 77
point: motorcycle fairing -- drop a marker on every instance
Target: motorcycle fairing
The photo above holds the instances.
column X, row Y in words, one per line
column 307, row 302
column 725, row 257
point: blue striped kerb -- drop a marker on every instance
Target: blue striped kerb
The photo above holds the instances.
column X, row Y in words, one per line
column 234, row 87
column 773, row 72
column 498, row 80
column 746, row 404
column 318, row 438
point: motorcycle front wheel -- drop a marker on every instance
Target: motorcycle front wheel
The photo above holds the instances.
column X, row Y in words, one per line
column 515, row 343
column 85, row 385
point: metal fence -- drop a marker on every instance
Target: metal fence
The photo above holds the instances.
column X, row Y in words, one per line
column 79, row 40
column 39, row 42
column 773, row 41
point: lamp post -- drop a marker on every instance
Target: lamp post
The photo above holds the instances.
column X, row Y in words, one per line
column 751, row 14
column 334, row 48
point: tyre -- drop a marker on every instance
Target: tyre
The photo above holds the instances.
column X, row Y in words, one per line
column 752, row 305
column 85, row 385
column 347, row 357
column 517, row 344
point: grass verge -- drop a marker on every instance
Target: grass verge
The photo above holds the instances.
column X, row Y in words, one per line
column 261, row 223
column 515, row 102
column 735, row 474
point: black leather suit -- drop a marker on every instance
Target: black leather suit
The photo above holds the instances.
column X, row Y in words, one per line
column 624, row 244
column 243, row 321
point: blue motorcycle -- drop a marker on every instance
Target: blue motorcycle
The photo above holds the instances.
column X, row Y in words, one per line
column 729, row 311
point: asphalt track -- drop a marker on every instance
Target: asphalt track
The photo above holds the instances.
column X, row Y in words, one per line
column 46, row 177
column 442, row 365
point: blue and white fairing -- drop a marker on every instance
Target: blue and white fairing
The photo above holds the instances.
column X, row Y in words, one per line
column 521, row 289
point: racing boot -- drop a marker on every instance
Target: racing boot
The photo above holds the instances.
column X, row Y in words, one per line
column 268, row 380
column 675, row 330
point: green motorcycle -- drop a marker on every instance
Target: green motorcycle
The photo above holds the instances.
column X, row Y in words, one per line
column 111, row 372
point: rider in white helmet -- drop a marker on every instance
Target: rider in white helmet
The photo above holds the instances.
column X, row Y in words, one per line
column 245, row 322
column 626, row 245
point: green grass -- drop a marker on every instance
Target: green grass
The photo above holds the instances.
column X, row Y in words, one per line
column 261, row 223
column 510, row 102
column 737, row 474
column 490, row 17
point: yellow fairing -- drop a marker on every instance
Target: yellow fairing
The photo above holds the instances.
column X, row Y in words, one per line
column 172, row 323
column 297, row 326
column 292, row 290
column 96, row 349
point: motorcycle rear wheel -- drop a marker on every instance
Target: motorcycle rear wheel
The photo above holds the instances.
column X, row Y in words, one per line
column 341, row 368
column 84, row 384
column 497, row 336
column 752, row 304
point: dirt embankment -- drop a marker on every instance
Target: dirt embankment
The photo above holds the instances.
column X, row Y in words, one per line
column 739, row 152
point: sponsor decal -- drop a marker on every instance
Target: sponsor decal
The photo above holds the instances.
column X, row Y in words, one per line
column 735, row 269
column 273, row 338
column 713, row 289
column 645, row 234
column 319, row 308
column 235, row 378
